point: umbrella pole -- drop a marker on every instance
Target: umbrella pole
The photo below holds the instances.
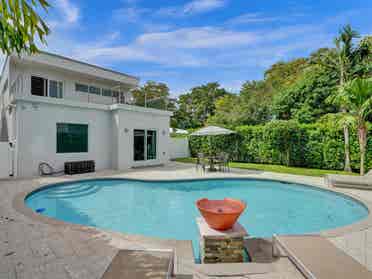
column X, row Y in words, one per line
column 211, row 167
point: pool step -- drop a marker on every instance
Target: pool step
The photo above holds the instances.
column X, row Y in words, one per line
column 140, row 264
column 73, row 192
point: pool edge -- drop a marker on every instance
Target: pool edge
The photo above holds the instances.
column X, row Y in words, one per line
column 19, row 203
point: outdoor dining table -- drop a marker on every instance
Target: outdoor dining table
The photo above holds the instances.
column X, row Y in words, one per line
column 213, row 159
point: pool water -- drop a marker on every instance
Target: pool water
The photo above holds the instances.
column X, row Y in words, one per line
column 167, row 209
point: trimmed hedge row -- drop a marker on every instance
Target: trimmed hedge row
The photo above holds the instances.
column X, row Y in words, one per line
column 287, row 143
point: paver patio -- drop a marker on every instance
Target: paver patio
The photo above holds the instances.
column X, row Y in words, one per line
column 33, row 249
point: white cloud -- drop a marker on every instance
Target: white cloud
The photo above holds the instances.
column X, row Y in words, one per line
column 113, row 36
column 70, row 11
column 198, row 37
column 191, row 8
column 233, row 86
column 201, row 6
column 129, row 14
column 252, row 18
column 199, row 46
column 175, row 48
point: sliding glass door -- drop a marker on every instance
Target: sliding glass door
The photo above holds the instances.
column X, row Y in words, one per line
column 144, row 147
column 139, row 145
column 151, row 145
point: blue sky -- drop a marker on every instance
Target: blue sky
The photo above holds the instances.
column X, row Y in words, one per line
column 190, row 42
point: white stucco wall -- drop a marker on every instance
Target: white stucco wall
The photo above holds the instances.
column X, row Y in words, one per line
column 179, row 148
column 110, row 134
column 67, row 78
column 33, row 121
column 127, row 121
column 5, row 160
column 37, row 142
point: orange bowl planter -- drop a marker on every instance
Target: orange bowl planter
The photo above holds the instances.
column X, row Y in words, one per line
column 221, row 214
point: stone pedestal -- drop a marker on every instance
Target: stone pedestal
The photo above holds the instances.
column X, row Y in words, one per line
column 221, row 246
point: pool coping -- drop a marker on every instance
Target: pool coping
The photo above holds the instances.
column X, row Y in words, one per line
column 184, row 264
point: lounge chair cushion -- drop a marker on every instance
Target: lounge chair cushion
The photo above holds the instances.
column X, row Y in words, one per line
column 318, row 258
column 345, row 180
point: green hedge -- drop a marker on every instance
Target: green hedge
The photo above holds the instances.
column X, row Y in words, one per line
column 287, row 143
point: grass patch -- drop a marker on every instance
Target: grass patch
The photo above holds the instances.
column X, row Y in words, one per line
column 275, row 168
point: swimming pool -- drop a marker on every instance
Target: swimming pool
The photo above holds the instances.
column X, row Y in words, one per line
column 166, row 209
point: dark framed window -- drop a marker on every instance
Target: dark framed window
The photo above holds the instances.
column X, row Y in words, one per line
column 144, row 146
column 106, row 92
column 81, row 87
column 94, row 90
column 72, row 138
column 39, row 86
column 122, row 98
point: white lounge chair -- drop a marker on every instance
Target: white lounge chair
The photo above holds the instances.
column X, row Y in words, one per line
column 318, row 258
column 350, row 181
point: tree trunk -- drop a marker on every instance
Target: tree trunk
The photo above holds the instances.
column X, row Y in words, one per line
column 362, row 135
column 347, row 166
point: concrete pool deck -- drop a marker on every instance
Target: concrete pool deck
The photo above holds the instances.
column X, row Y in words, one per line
column 33, row 246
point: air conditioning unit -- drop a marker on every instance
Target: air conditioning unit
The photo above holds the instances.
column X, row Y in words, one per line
column 79, row 167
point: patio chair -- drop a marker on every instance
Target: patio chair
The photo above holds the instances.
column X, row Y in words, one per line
column 224, row 162
column 349, row 181
column 219, row 162
column 200, row 161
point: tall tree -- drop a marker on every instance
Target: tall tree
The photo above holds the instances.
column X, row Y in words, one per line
column 198, row 105
column 356, row 97
column 363, row 67
column 154, row 95
column 305, row 100
column 20, row 23
column 283, row 74
column 228, row 112
column 344, row 61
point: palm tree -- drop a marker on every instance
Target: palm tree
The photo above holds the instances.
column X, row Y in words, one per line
column 20, row 25
column 356, row 97
column 343, row 60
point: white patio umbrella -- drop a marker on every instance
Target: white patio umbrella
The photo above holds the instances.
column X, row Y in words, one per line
column 212, row 131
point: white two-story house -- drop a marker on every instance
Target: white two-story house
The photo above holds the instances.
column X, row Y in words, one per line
column 55, row 109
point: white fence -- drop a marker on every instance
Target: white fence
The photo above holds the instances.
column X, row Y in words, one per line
column 5, row 160
column 179, row 148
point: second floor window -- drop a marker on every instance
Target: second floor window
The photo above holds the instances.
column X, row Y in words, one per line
column 55, row 89
column 94, row 90
column 44, row 87
column 39, row 86
column 81, row 87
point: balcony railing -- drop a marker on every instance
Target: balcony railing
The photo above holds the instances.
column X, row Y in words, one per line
column 18, row 89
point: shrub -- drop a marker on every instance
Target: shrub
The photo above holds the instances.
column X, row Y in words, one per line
column 319, row 145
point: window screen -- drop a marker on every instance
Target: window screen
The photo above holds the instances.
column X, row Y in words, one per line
column 55, row 89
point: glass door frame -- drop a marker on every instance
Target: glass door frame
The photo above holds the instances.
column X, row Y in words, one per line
column 145, row 145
